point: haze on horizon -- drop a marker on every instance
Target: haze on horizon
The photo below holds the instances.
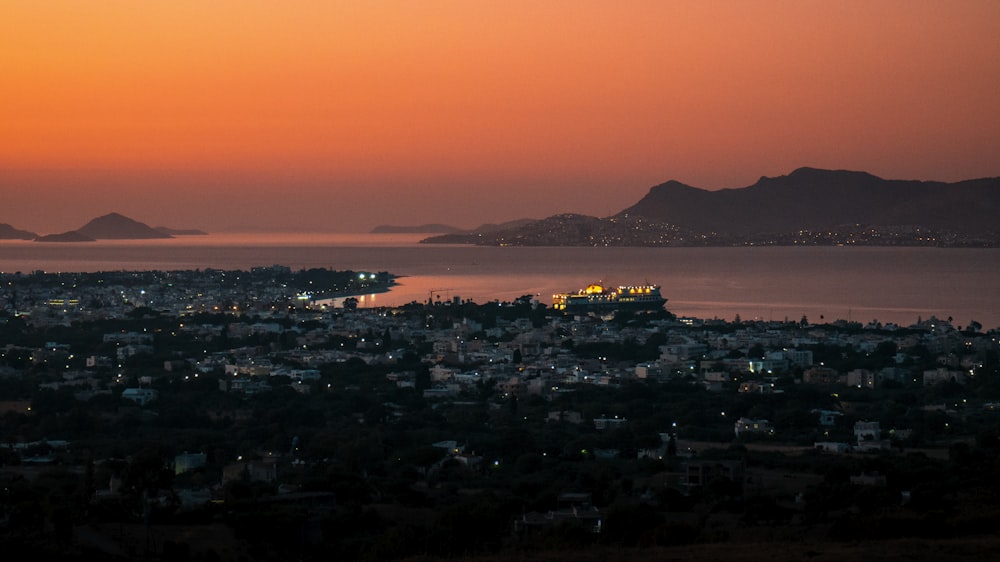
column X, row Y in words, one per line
column 339, row 116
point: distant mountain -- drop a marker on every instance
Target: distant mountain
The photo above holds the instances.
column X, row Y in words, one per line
column 813, row 199
column 179, row 231
column 480, row 233
column 490, row 227
column 8, row 232
column 71, row 236
column 807, row 207
column 571, row 230
column 118, row 227
column 421, row 229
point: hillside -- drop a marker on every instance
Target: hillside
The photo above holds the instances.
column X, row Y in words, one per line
column 70, row 236
column 812, row 199
column 807, row 207
column 8, row 232
column 451, row 233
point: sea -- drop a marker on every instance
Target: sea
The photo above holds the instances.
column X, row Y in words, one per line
column 899, row 285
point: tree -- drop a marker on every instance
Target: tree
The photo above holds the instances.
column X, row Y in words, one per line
column 145, row 474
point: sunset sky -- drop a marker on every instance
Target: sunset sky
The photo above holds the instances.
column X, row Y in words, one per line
column 339, row 116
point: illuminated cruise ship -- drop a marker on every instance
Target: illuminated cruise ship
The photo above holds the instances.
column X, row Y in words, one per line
column 597, row 297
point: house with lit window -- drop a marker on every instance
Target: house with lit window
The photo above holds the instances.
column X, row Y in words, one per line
column 750, row 426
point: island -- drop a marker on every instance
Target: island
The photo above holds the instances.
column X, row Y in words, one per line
column 115, row 226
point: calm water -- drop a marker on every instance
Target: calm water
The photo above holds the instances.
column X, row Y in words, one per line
column 862, row 284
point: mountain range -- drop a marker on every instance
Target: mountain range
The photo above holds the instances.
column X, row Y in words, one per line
column 807, row 206
column 813, row 199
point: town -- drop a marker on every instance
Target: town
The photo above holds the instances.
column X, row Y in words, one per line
column 264, row 414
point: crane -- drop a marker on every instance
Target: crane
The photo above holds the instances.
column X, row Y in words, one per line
column 430, row 294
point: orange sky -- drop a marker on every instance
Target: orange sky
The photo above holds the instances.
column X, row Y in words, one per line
column 343, row 115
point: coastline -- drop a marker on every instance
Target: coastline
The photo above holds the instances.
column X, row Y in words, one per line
column 898, row 285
